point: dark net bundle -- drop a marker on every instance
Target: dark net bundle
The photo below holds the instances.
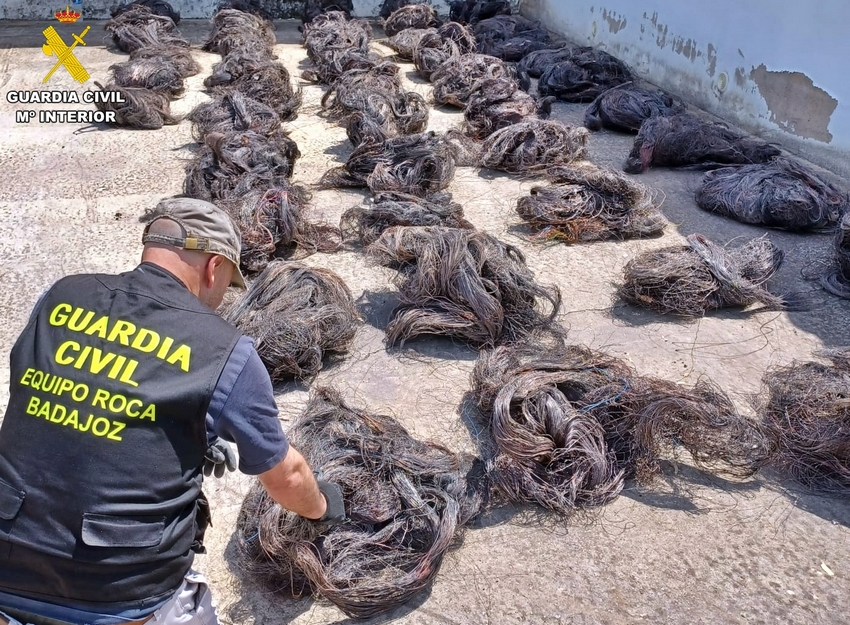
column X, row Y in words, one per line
column 179, row 57
column 335, row 45
column 532, row 145
column 388, row 7
column 459, row 78
column 158, row 7
column 471, row 11
column 500, row 103
column 837, row 280
column 685, row 140
column 405, row 42
column 406, row 501
column 255, row 7
column 570, row 424
column 385, row 210
column 691, row 279
column 779, row 194
column 464, row 284
column 155, row 73
column 235, row 30
column 450, row 40
column 535, row 63
column 806, row 411
column 234, row 163
column 139, row 27
column 418, row 165
column 315, row 8
column 232, row 111
column 272, row 225
column 348, row 92
column 510, row 37
column 586, row 74
column 267, row 82
column 626, row 107
column 141, row 108
column 297, row 316
column 591, row 204
column 411, row 16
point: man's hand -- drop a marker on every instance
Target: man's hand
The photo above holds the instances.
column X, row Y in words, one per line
column 219, row 455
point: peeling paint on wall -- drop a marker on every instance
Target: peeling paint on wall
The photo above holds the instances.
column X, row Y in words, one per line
column 796, row 105
column 616, row 22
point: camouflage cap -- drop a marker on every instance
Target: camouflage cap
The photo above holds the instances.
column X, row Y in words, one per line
column 205, row 228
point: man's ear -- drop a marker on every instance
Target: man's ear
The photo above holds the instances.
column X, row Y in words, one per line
column 210, row 268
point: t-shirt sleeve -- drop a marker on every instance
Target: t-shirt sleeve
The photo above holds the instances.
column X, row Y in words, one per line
column 243, row 411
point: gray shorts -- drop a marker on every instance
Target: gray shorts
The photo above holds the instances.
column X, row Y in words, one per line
column 192, row 604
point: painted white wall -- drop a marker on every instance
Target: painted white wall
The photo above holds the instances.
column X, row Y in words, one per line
column 710, row 53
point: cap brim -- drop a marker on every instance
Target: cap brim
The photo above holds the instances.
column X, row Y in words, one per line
column 238, row 280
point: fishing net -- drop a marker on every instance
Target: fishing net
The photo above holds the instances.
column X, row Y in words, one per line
column 626, row 107
column 569, row 425
column 315, row 8
column 418, row 165
column 806, row 411
column 179, row 57
column 154, row 73
column 778, row 194
column 139, row 27
column 267, row 82
column 272, row 224
column 837, row 280
column 584, row 76
column 141, row 108
column 535, row 63
column 406, row 502
column 497, row 104
column 590, row 204
column 385, row 210
column 434, row 49
column 335, row 45
column 231, row 111
column 388, row 7
column 232, row 164
column 464, row 284
column 411, row 16
column 297, row 315
column 684, row 140
column 405, row 42
column 471, row 11
column 532, row 145
column 255, row 7
column 691, row 279
column 510, row 37
column 157, row 7
column 239, row 31
column 459, row 78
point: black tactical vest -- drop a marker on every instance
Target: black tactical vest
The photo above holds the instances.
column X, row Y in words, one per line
column 102, row 445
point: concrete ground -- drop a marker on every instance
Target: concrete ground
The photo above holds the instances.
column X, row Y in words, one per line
column 693, row 549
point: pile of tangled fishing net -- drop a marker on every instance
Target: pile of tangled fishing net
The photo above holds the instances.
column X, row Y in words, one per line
column 433, row 49
column 691, row 279
column 535, row 63
column 239, row 31
column 272, row 224
column 589, row 203
column 805, row 409
column 533, row 145
column 471, row 11
column 583, row 75
column 336, row 44
column 459, row 78
column 625, row 107
column 257, row 78
column 385, row 210
column 778, row 194
column 233, row 111
column 510, row 37
column 569, row 425
column 683, row 139
column 233, row 163
column 388, row 7
column 411, row 16
column 315, row 8
column 297, row 315
column 464, row 284
column 418, row 164
column 837, row 280
column 406, row 501
column 159, row 61
column 404, row 43
column 499, row 103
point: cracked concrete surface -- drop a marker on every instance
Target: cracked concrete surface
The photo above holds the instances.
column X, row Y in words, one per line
column 693, row 549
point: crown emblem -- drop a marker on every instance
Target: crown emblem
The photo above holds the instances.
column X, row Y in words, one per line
column 67, row 16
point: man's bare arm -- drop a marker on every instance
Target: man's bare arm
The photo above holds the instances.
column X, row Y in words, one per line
column 291, row 484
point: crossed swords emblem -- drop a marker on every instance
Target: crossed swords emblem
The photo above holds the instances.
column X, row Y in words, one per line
column 65, row 54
